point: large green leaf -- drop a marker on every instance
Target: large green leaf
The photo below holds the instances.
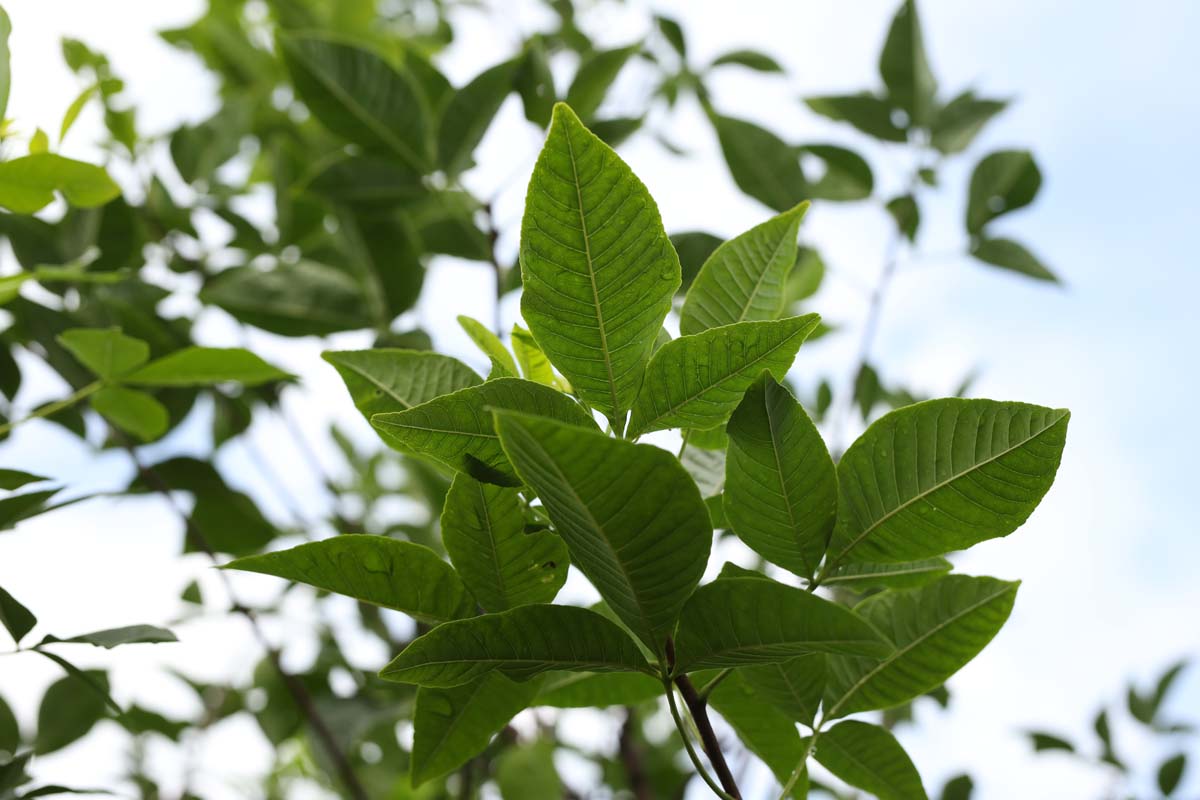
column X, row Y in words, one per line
column 69, row 709
column 780, row 483
column 358, row 95
column 28, row 183
column 302, row 299
column 743, row 279
column 766, row 732
column 452, row 725
column 15, row 617
column 374, row 569
column 603, row 689
column 1002, row 182
column 469, row 114
column 105, row 351
column 943, row 475
column 869, row 757
column 697, row 381
column 937, row 629
column 202, row 366
column 598, row 269
column 763, row 165
column 735, row 621
column 483, row 529
column 844, row 174
column 520, row 643
column 633, row 520
column 905, row 67
column 458, row 430
column 386, row 380
column 794, row 687
column 133, row 411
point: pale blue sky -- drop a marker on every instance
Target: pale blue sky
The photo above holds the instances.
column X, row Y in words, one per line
column 1105, row 100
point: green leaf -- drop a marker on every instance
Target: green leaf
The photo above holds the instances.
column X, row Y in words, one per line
column 846, row 175
column 765, row 731
column 385, row 380
column 780, row 483
column 535, row 83
column 534, row 364
column 39, row 142
column 483, row 529
column 491, row 346
column 10, row 731
column 1145, row 708
column 904, row 67
column 957, row 123
column 450, row 726
column 871, row 115
column 469, row 113
column 16, row 618
column 762, row 165
column 943, row 475
column 520, row 643
column 631, row 517
column 697, row 381
column 598, row 269
column 133, row 411
column 1170, row 773
column 596, row 74
column 69, row 709
column 458, row 431
column 1002, row 182
column 751, row 59
column 359, row 96
column 301, row 299
column 694, row 249
column 805, row 278
column 387, row 572
column 869, row 757
column 105, row 351
column 5, row 64
column 794, row 687
column 960, row 787
column 735, row 621
column 14, row 479
column 528, row 771
column 19, row 507
column 1043, row 741
column 203, row 366
column 673, row 33
column 28, row 183
column 937, row 629
column 368, row 182
column 1007, row 254
column 599, row 690
column 115, row 637
column 907, row 214
column 743, row 279
column 905, row 575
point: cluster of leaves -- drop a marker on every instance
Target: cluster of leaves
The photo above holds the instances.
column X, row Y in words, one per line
column 340, row 116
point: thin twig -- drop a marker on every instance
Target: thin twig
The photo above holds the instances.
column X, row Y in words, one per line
column 299, row 692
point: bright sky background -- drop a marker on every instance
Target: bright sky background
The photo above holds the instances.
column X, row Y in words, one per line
column 1108, row 561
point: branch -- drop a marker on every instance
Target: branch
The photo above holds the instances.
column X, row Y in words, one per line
column 299, row 692
column 631, row 758
column 698, row 707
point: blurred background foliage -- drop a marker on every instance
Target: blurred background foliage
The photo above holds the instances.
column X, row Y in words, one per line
column 311, row 204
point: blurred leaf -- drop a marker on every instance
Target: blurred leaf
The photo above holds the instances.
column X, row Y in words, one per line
column 359, row 96
column 613, row 132
column 107, row 353
column 907, row 214
column 469, row 113
column 905, row 67
column 134, row 412
column 5, row 65
column 1104, row 734
column 534, row 364
column 805, row 278
column 869, row 757
column 1043, row 741
column 673, row 33
column 16, row 618
column 1170, row 773
column 28, row 183
column 1145, row 708
column 367, row 182
column 847, row 176
column 762, row 165
column 74, row 110
column 595, row 76
column 1010, row 255
column 960, row 787
column 115, row 637
column 1002, row 182
column 600, row 690
column 752, row 59
column 869, row 114
column 202, row 366
column 14, row 479
column 528, row 771
column 491, row 346
column 69, row 709
column 20, row 507
column 535, row 83
column 302, row 299
column 957, row 123
column 693, row 248
column 10, row 732
column 39, row 142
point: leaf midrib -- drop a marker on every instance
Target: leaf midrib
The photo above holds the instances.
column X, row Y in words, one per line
column 940, row 485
